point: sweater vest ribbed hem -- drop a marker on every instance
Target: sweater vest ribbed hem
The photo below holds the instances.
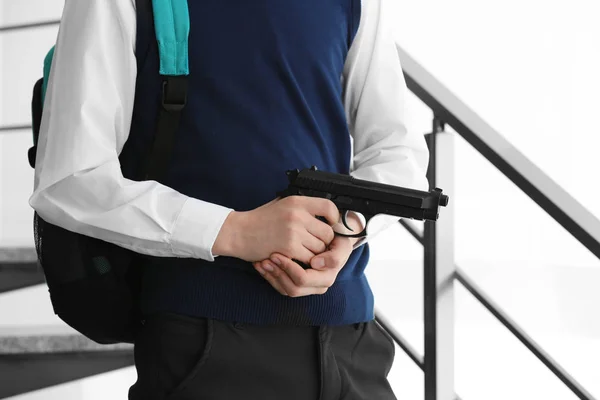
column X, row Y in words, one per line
column 237, row 295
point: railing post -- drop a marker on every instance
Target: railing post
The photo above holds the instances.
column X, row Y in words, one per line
column 439, row 272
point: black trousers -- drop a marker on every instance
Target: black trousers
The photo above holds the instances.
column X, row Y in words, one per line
column 184, row 358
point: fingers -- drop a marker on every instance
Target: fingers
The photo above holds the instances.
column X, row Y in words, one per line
column 334, row 258
column 304, row 254
column 322, row 207
column 313, row 244
column 296, row 281
column 290, row 279
column 292, row 274
column 264, row 268
column 320, row 230
column 283, row 283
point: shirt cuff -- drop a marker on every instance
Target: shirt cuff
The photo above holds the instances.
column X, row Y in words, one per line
column 197, row 228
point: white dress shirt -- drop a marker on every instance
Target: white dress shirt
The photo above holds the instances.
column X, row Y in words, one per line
column 87, row 116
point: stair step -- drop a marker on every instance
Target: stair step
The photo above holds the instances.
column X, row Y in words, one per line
column 48, row 339
column 19, row 269
column 33, row 358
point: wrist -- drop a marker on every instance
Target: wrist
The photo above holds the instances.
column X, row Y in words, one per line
column 228, row 239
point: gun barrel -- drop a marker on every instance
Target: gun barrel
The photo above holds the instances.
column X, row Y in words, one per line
column 365, row 197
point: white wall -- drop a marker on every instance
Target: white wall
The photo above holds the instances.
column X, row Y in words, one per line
column 531, row 70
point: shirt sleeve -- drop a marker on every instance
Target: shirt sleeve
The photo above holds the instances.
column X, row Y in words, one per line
column 87, row 116
column 374, row 99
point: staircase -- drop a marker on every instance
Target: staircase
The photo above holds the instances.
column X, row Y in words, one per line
column 37, row 357
column 19, row 269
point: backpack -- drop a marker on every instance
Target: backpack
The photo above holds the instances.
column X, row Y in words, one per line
column 94, row 285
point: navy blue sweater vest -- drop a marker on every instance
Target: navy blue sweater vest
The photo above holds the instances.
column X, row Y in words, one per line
column 265, row 96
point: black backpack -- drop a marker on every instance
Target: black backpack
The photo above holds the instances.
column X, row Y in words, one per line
column 94, row 285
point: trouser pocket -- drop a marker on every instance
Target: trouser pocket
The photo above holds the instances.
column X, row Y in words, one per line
column 386, row 337
column 170, row 351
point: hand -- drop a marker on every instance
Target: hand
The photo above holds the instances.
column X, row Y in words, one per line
column 290, row 279
column 286, row 226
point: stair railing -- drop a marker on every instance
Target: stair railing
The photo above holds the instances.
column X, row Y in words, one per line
column 440, row 270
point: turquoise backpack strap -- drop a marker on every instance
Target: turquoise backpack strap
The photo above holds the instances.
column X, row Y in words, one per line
column 47, row 65
column 172, row 26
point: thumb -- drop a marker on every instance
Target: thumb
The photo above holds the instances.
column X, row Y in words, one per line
column 335, row 257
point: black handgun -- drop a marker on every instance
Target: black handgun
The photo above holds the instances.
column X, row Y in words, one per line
column 364, row 197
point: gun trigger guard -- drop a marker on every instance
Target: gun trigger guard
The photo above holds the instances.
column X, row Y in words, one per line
column 361, row 234
column 345, row 222
column 356, row 235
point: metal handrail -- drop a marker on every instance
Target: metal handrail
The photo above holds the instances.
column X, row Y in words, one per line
column 535, row 183
column 32, row 25
column 412, row 230
column 8, row 128
column 523, row 337
column 504, row 319
column 410, row 351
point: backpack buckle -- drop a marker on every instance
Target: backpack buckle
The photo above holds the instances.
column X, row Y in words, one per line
column 174, row 93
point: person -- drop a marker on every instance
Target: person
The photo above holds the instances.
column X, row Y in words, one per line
column 274, row 85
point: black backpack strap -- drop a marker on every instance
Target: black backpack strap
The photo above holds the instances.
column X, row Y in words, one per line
column 174, row 99
column 36, row 119
column 171, row 26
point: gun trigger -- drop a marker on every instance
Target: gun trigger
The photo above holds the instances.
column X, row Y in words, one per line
column 345, row 222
